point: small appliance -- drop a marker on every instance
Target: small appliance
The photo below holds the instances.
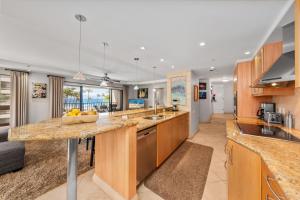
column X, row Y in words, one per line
column 265, row 107
column 273, row 117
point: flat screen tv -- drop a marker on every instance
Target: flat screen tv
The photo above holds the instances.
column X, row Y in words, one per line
column 136, row 103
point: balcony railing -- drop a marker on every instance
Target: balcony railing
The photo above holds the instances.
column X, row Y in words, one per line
column 102, row 106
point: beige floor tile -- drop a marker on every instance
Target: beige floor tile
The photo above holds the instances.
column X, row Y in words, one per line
column 216, row 190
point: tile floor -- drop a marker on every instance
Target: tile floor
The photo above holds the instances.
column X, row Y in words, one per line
column 210, row 134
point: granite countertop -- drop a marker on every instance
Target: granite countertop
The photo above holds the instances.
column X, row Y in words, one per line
column 53, row 129
column 282, row 157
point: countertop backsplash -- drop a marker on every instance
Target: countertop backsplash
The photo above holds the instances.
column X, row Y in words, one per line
column 292, row 104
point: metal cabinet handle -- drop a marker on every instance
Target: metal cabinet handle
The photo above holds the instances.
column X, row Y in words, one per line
column 268, row 179
column 268, row 198
column 230, row 156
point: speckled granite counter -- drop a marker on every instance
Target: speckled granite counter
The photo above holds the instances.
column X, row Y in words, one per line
column 282, row 157
column 54, row 129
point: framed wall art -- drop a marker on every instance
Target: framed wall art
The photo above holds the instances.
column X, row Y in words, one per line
column 39, row 90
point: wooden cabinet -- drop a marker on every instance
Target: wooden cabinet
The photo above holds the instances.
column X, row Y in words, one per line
column 247, row 104
column 297, row 43
column 258, row 66
column 170, row 134
column 269, row 189
column 244, row 173
column 264, row 60
column 249, row 176
column 273, row 91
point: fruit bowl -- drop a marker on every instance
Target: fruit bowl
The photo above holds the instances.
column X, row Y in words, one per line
column 75, row 116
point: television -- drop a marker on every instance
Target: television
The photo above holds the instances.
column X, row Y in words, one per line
column 136, row 103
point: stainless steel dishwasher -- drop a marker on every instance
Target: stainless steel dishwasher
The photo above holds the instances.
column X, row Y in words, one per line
column 146, row 153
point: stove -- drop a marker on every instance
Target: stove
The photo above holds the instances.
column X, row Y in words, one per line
column 266, row 131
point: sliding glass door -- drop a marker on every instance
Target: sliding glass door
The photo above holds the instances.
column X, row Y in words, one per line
column 88, row 97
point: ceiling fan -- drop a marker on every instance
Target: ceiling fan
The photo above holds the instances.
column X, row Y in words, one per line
column 105, row 80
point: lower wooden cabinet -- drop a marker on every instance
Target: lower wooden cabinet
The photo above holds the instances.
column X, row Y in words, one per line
column 244, row 173
column 170, row 134
column 270, row 189
column 248, row 176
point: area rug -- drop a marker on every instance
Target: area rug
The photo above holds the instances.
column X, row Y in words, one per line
column 183, row 175
column 45, row 168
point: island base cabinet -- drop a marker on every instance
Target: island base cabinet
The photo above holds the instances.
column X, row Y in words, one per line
column 170, row 134
column 244, row 172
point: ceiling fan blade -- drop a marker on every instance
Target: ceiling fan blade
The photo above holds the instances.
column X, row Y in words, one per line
column 115, row 81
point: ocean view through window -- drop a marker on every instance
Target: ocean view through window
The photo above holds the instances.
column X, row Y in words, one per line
column 91, row 97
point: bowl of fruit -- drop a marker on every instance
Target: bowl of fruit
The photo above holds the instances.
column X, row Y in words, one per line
column 75, row 116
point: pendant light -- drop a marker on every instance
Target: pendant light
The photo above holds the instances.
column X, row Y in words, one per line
column 136, row 87
column 104, row 82
column 79, row 75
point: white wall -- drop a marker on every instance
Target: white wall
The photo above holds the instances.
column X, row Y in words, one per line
column 132, row 94
column 38, row 108
column 195, row 107
column 205, row 104
column 228, row 97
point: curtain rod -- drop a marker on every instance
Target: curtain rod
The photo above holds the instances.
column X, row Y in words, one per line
column 16, row 70
column 55, row 76
column 89, row 84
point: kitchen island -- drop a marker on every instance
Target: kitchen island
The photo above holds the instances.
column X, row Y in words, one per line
column 115, row 148
column 280, row 157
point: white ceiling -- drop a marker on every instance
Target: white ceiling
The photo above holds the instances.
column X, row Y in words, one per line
column 45, row 35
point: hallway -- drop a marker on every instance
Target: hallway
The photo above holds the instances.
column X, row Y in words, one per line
column 213, row 134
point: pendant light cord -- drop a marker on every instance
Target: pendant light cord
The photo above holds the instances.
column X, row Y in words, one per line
column 104, row 55
column 79, row 46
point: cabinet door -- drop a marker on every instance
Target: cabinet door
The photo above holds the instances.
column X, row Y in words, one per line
column 170, row 134
column 244, row 173
column 270, row 189
column 271, row 53
column 258, row 64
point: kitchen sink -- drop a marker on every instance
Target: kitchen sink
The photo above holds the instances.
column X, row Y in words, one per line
column 154, row 117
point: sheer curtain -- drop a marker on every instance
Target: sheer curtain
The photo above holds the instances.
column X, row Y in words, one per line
column 19, row 98
column 56, row 92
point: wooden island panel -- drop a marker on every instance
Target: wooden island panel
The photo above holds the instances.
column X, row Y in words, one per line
column 115, row 161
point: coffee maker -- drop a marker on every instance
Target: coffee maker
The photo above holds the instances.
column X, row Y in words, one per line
column 264, row 108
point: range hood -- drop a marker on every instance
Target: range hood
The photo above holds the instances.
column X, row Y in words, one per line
column 283, row 70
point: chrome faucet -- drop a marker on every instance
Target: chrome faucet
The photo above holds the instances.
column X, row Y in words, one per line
column 155, row 102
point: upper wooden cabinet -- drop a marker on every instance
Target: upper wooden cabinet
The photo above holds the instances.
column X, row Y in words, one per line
column 297, row 43
column 264, row 60
column 243, row 73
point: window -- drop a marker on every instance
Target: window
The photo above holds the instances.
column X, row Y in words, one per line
column 71, row 97
column 4, row 100
column 92, row 97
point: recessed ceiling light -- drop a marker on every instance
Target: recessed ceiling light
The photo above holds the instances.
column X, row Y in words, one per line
column 172, row 66
column 162, row 60
column 225, row 80
column 274, row 84
column 247, row 52
column 212, row 69
column 202, row 44
column 142, row 48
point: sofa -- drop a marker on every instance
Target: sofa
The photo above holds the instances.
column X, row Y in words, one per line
column 12, row 154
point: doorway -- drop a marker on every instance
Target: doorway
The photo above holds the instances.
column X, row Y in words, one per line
column 218, row 98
